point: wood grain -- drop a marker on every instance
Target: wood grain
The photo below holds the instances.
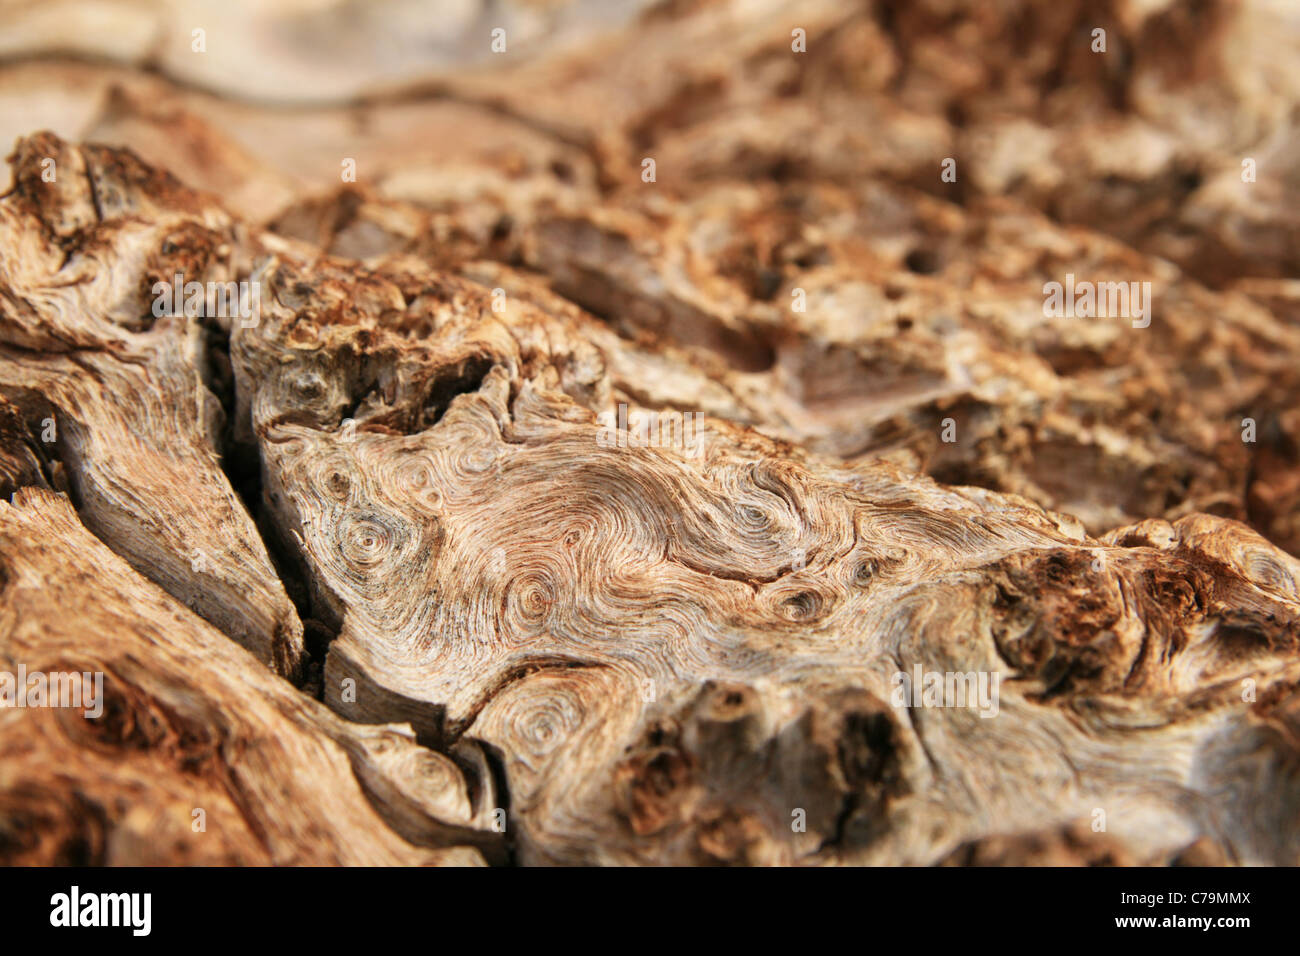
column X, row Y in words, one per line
column 374, row 577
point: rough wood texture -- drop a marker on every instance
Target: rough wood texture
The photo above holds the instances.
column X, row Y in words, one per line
column 123, row 393
column 627, row 574
column 190, row 723
column 430, row 593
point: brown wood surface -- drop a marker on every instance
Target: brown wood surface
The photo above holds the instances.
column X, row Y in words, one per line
column 369, row 584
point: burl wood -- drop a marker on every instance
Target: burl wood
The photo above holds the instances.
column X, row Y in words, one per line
column 533, row 644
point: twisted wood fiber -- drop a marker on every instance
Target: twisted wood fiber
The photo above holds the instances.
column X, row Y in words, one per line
column 367, row 583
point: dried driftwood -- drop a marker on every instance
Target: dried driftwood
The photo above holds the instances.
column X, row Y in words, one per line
column 541, row 513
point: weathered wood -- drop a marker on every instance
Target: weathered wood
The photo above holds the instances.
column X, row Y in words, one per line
column 190, row 722
column 677, row 653
column 118, row 395
column 437, row 591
